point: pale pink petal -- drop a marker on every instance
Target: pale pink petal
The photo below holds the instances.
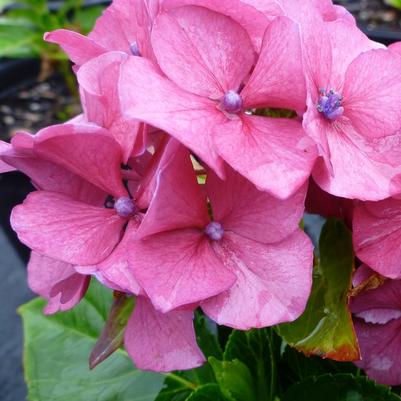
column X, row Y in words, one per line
column 56, row 281
column 4, row 167
column 273, row 281
column 377, row 236
column 178, row 200
column 278, row 79
column 162, row 342
column 396, row 47
column 354, row 174
column 57, row 226
column 185, row 52
column 88, row 152
column 149, row 97
column 178, row 268
column 240, row 207
column 361, row 274
column 253, row 20
column 98, row 80
column 371, row 99
column 79, row 48
column 116, row 268
column 274, row 154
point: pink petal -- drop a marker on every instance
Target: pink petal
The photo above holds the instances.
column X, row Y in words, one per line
column 246, row 15
column 371, row 100
column 79, row 48
column 256, row 215
column 361, row 274
column 98, row 80
column 57, row 281
column 273, row 282
column 380, row 350
column 147, row 96
column 87, row 152
column 354, row 173
column 116, row 268
column 377, row 236
column 178, row 268
column 57, row 226
column 4, row 167
column 278, row 79
column 396, row 47
column 161, row 342
column 178, row 201
column 184, row 50
column 274, row 154
column 48, row 176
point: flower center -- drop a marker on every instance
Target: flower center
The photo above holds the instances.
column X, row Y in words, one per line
column 232, row 102
column 135, row 49
column 330, row 104
column 214, row 231
column 125, row 207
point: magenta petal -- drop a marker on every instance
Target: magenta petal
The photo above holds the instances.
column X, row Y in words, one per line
column 116, row 268
column 273, row 282
column 149, row 97
column 162, row 342
column 178, row 200
column 373, row 108
column 57, row 226
column 56, row 281
column 86, row 151
column 274, row 154
column 79, row 48
column 251, row 213
column 380, row 350
column 278, row 78
column 192, row 60
column 377, row 236
column 178, row 268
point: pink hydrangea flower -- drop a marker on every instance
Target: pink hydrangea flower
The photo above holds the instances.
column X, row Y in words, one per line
column 238, row 263
column 377, row 320
column 209, row 88
column 351, row 106
column 377, row 236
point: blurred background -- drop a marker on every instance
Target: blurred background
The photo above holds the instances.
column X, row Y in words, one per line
column 37, row 89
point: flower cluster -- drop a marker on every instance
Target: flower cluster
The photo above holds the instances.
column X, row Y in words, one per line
column 207, row 127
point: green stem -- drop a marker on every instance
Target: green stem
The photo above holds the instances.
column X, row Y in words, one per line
column 181, row 380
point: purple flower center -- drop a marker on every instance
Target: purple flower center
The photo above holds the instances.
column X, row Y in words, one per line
column 135, row 49
column 214, row 231
column 330, row 104
column 232, row 102
column 125, row 207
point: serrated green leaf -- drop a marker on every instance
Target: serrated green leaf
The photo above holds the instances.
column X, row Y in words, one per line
column 235, row 379
column 325, row 328
column 257, row 349
column 342, row 387
column 57, row 349
column 208, row 392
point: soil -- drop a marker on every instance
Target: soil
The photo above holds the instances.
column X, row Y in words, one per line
column 373, row 14
column 34, row 105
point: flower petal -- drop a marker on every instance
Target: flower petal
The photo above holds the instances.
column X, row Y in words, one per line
column 57, row 226
column 273, row 282
column 274, row 154
column 162, row 342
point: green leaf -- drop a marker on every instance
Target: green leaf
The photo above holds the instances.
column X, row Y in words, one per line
column 342, row 387
column 208, row 392
column 16, row 40
column 394, row 3
column 112, row 336
column 85, row 18
column 257, row 349
column 235, row 379
column 175, row 388
column 57, row 349
column 325, row 328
